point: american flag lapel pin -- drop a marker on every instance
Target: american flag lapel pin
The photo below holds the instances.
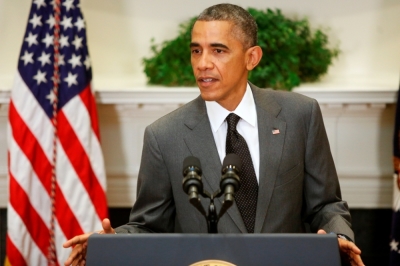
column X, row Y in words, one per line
column 275, row 131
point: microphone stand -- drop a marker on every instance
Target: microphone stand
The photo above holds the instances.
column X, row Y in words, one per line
column 211, row 217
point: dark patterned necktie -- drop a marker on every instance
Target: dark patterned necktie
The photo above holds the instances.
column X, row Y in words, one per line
column 246, row 196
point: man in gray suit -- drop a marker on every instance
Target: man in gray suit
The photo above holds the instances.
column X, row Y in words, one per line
column 285, row 135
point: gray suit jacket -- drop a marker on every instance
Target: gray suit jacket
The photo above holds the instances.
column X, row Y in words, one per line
column 297, row 181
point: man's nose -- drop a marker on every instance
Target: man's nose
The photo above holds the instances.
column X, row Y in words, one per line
column 205, row 62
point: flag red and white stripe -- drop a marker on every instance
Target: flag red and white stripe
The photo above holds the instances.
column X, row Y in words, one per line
column 62, row 147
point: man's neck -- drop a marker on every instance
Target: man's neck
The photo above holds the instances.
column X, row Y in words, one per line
column 232, row 102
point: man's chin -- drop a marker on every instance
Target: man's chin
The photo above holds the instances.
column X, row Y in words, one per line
column 209, row 97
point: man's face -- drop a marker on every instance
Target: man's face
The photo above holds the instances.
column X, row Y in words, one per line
column 219, row 63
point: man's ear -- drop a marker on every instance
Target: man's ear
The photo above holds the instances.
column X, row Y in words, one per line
column 253, row 57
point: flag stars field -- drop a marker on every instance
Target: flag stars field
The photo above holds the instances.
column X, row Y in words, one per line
column 70, row 35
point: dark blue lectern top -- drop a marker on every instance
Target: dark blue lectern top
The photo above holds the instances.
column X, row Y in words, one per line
column 187, row 249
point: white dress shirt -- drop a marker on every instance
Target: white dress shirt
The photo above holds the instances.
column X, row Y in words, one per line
column 247, row 126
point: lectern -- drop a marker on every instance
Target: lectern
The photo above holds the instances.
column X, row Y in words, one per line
column 213, row 249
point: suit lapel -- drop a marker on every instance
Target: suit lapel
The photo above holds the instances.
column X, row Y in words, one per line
column 201, row 144
column 271, row 131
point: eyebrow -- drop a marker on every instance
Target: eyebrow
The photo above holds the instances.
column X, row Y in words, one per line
column 194, row 44
column 219, row 45
column 215, row 45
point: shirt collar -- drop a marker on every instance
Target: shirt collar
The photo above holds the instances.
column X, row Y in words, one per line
column 246, row 110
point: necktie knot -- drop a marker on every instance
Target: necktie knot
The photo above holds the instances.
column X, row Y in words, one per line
column 232, row 120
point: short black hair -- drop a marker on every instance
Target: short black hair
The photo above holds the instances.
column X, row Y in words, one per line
column 245, row 25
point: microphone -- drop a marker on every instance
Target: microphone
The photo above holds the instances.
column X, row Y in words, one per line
column 192, row 183
column 230, row 181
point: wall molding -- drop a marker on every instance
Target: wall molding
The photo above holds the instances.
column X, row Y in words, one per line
column 337, row 95
column 162, row 95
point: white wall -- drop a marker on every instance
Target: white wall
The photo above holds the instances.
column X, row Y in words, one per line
column 119, row 33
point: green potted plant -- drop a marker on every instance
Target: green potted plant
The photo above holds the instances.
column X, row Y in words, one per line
column 293, row 53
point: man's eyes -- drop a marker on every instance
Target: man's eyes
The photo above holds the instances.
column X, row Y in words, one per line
column 198, row 51
column 195, row 51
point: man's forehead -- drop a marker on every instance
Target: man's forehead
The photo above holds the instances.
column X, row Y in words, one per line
column 212, row 31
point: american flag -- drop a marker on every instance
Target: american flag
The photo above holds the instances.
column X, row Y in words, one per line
column 56, row 171
column 395, row 234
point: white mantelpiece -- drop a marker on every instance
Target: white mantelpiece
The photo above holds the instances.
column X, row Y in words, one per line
column 359, row 124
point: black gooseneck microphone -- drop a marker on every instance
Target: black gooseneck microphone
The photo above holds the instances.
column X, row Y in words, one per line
column 230, row 181
column 192, row 183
